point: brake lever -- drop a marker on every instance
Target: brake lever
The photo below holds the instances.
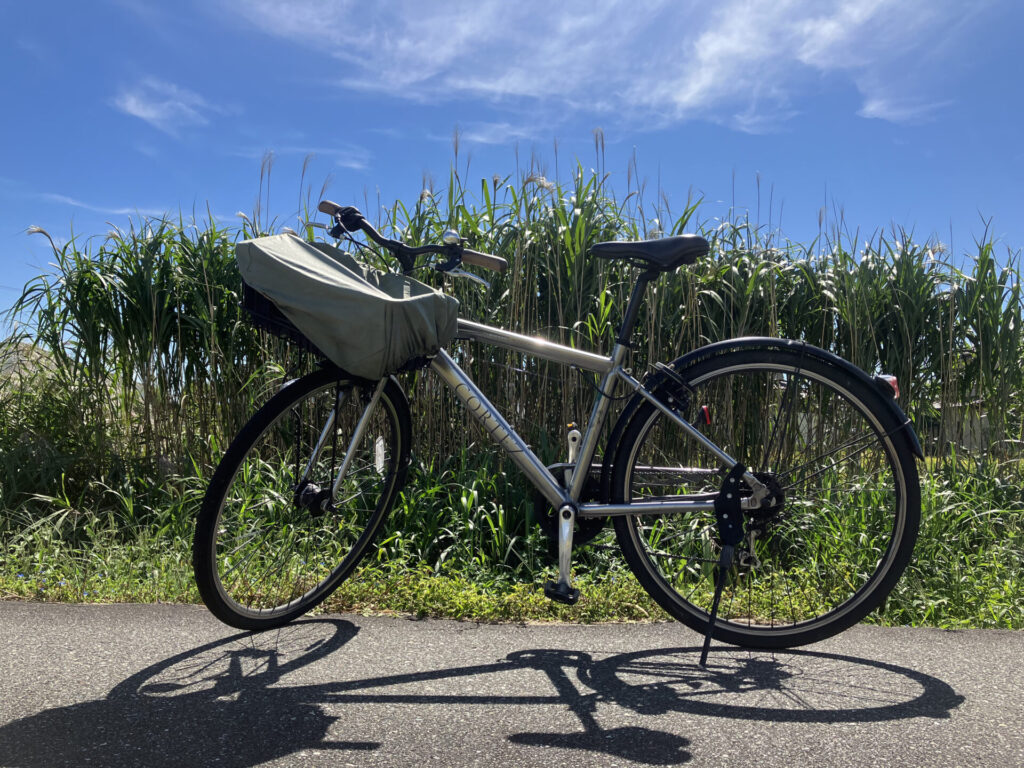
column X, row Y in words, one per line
column 469, row 275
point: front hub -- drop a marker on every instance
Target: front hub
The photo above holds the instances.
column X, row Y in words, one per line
column 311, row 497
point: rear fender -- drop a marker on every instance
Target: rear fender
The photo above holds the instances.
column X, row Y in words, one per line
column 659, row 383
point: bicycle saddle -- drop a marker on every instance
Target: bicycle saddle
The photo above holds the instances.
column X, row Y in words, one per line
column 664, row 254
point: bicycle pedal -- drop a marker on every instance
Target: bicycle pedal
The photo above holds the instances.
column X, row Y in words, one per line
column 565, row 595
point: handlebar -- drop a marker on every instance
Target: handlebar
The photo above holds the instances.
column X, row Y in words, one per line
column 349, row 219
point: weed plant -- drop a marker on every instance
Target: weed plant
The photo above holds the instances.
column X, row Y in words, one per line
column 134, row 365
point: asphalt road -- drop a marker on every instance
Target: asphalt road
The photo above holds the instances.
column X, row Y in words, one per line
column 134, row 685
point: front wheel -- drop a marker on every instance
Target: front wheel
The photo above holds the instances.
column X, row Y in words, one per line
column 299, row 496
column 845, row 503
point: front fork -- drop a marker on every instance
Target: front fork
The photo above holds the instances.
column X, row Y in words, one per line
column 309, row 495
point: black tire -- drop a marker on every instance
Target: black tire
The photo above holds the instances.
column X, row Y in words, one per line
column 845, row 529
column 264, row 554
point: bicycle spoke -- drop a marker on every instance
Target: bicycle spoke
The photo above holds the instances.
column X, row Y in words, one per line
column 789, row 395
column 820, row 457
column 245, row 560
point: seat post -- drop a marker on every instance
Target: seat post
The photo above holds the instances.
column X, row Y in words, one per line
column 633, row 308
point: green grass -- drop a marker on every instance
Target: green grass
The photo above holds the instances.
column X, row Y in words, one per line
column 149, row 568
column 968, row 568
column 157, row 570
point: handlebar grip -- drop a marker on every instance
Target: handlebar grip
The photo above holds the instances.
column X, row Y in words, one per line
column 478, row 259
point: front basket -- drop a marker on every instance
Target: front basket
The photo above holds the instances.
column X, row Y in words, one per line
column 263, row 314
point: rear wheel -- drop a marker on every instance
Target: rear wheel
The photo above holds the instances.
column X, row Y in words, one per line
column 273, row 537
column 845, row 510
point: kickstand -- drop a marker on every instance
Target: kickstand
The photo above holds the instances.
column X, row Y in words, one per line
column 724, row 564
column 729, row 517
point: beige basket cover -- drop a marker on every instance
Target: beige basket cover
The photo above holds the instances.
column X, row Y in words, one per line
column 367, row 322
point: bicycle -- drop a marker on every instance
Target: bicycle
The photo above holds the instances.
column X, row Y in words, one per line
column 764, row 492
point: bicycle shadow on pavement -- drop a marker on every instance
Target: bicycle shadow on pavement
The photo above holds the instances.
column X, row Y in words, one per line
column 228, row 702
column 212, row 705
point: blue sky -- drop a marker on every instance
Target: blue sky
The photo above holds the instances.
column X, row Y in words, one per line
column 892, row 111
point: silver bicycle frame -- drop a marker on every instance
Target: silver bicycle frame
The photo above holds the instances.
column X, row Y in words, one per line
column 519, row 452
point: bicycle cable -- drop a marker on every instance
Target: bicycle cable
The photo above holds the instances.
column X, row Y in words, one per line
column 588, row 380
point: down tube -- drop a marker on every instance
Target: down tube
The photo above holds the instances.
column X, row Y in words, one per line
column 501, row 432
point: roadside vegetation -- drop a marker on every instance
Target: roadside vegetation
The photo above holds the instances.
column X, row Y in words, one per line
column 132, row 366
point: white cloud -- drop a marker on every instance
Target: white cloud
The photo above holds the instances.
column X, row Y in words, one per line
column 164, row 105
column 349, row 156
column 751, row 64
column 493, row 133
column 65, row 200
column 900, row 110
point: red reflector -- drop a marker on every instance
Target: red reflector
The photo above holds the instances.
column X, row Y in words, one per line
column 705, row 414
column 892, row 382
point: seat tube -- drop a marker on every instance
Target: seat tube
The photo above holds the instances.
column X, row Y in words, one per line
column 603, row 401
column 636, row 298
column 598, row 413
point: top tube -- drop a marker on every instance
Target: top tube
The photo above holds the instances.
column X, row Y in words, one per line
column 533, row 345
